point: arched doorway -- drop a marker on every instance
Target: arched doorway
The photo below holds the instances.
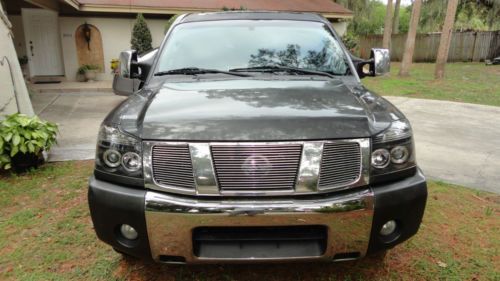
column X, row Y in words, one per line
column 89, row 46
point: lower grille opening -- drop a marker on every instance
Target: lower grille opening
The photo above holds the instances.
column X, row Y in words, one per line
column 260, row 242
column 172, row 259
column 346, row 256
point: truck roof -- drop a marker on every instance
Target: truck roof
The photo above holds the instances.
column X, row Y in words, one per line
column 253, row 15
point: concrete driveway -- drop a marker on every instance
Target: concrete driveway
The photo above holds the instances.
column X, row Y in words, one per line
column 79, row 115
column 456, row 142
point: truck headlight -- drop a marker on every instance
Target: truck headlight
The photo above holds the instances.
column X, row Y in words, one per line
column 118, row 152
column 393, row 155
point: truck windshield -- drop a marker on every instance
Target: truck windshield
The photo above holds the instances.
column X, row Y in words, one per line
column 240, row 44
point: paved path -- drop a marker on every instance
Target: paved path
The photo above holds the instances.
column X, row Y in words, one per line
column 79, row 116
column 456, row 142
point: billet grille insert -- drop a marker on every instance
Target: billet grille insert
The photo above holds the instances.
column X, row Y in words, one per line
column 340, row 164
column 172, row 166
column 249, row 167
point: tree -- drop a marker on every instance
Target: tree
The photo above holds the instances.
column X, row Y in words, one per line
column 395, row 20
column 444, row 43
column 470, row 15
column 141, row 36
column 386, row 40
column 170, row 22
column 410, row 39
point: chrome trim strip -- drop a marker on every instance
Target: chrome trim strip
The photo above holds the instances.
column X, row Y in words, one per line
column 203, row 169
column 310, row 162
column 170, row 220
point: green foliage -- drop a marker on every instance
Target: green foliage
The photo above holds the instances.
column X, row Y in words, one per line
column 369, row 17
column 350, row 41
column 86, row 67
column 471, row 15
column 170, row 22
column 141, row 36
column 23, row 60
column 23, row 134
column 241, row 8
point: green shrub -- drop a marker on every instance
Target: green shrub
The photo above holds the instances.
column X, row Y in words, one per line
column 170, row 22
column 350, row 41
column 141, row 36
column 86, row 67
column 24, row 134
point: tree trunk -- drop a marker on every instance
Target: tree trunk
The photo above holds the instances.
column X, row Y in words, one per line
column 410, row 39
column 444, row 43
column 386, row 41
column 395, row 20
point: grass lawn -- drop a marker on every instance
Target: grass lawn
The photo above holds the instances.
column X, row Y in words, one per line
column 46, row 234
column 464, row 82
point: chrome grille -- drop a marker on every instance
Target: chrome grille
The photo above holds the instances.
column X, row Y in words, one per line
column 172, row 166
column 340, row 164
column 256, row 167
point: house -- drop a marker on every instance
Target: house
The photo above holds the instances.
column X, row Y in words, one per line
column 58, row 36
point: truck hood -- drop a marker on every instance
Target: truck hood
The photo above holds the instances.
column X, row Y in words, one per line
column 255, row 110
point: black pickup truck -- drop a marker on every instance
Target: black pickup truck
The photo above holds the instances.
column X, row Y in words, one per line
column 248, row 137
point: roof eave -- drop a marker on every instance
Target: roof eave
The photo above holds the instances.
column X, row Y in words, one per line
column 158, row 10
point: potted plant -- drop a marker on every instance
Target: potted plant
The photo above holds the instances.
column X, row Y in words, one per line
column 23, row 62
column 80, row 73
column 22, row 141
column 89, row 71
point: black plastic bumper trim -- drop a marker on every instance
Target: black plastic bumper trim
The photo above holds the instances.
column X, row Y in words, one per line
column 403, row 201
column 113, row 205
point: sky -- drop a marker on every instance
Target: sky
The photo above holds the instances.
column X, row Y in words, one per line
column 403, row 2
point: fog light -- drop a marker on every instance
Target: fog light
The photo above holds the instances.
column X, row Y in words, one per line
column 388, row 228
column 381, row 158
column 128, row 232
column 112, row 158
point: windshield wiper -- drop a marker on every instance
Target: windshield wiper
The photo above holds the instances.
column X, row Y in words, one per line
column 275, row 68
column 196, row 70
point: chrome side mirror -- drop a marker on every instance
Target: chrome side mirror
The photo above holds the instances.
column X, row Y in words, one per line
column 126, row 80
column 381, row 62
column 378, row 64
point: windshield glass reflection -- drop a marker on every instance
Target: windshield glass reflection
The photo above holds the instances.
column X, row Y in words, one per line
column 225, row 45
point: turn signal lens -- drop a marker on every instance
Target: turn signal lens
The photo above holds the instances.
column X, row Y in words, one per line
column 381, row 158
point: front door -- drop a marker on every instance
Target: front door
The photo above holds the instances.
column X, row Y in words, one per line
column 41, row 30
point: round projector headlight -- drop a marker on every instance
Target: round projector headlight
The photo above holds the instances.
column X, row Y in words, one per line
column 381, row 158
column 131, row 161
column 399, row 154
column 111, row 158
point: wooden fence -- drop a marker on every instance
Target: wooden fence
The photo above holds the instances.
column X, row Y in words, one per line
column 465, row 46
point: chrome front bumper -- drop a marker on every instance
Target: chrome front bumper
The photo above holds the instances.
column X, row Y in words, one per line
column 170, row 221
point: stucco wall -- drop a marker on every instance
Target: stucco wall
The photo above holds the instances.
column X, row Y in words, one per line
column 116, row 35
column 340, row 27
column 13, row 92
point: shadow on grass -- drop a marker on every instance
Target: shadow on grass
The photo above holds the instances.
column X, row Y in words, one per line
column 368, row 268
